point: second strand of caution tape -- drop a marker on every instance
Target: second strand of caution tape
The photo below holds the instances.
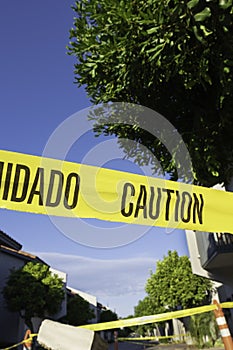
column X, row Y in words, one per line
column 137, row 321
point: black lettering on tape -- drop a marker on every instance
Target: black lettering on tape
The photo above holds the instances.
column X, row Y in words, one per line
column 124, row 212
column 198, row 208
column 177, row 206
column 54, row 191
column 24, row 171
column 186, row 204
column 1, row 171
column 7, row 181
column 167, row 213
column 154, row 215
column 39, row 179
column 141, row 202
column 74, row 202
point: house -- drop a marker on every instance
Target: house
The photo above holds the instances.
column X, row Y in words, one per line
column 211, row 256
column 63, row 275
column 63, row 309
column 11, row 257
column 94, row 305
column 12, row 327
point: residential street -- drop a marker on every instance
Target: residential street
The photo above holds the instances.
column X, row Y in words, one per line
column 126, row 346
column 132, row 346
column 138, row 346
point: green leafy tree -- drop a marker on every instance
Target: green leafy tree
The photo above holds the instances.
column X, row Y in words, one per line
column 173, row 285
column 108, row 315
column 78, row 311
column 125, row 331
column 33, row 291
column 175, row 57
column 147, row 307
column 203, row 325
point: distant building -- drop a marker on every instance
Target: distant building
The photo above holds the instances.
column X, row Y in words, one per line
column 12, row 327
column 12, row 257
column 95, row 306
column 63, row 309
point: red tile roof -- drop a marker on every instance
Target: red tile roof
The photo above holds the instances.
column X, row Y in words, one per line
column 21, row 254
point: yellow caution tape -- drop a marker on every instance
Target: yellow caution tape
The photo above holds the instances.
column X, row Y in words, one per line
column 136, row 321
column 22, row 342
column 152, row 338
column 48, row 186
column 227, row 305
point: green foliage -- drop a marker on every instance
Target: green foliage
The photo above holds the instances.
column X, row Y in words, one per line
column 78, row 311
column 174, row 285
column 125, row 332
column 174, row 57
column 107, row 316
column 33, row 291
column 145, row 307
column 203, row 325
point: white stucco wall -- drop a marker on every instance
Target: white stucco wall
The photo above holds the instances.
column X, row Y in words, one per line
column 194, row 255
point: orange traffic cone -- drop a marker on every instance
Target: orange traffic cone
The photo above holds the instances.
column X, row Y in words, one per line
column 27, row 345
column 223, row 327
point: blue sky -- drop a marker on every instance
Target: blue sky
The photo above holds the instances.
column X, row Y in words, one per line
column 37, row 95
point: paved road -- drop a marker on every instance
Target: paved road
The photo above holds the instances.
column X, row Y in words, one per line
column 126, row 346
column 132, row 346
column 138, row 346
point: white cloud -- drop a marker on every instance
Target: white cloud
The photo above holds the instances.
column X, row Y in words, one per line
column 118, row 282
